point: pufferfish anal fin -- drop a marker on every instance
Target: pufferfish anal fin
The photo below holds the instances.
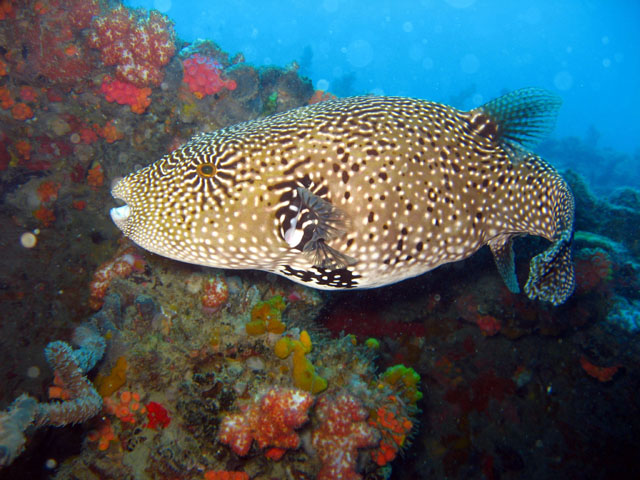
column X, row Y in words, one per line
column 502, row 249
column 315, row 222
column 519, row 120
column 551, row 274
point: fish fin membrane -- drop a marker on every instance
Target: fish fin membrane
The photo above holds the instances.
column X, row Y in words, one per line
column 323, row 256
column 523, row 117
column 551, row 274
column 324, row 223
column 502, row 249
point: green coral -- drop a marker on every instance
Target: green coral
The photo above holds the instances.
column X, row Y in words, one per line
column 403, row 379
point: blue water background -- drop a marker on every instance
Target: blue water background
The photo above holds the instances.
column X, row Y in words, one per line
column 461, row 52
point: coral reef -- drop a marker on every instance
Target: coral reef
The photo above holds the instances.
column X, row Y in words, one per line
column 196, row 359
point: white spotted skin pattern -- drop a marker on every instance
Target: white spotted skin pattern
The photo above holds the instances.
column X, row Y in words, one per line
column 418, row 185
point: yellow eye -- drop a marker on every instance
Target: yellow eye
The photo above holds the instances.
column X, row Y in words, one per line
column 206, row 170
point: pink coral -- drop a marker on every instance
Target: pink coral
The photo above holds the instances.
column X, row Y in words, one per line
column 122, row 265
column 342, row 432
column 202, row 74
column 216, row 293
column 271, row 421
column 138, row 45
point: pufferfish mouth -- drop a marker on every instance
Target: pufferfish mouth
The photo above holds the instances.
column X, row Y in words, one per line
column 121, row 214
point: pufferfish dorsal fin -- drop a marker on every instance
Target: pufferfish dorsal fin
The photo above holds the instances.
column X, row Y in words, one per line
column 519, row 120
column 313, row 222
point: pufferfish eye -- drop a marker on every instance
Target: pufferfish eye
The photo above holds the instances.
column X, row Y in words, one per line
column 206, row 170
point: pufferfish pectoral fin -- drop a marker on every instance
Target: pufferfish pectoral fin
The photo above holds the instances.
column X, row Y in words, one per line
column 551, row 274
column 502, row 250
column 323, row 256
column 314, row 222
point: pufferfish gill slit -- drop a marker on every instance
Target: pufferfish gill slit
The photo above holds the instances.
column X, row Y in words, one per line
column 361, row 192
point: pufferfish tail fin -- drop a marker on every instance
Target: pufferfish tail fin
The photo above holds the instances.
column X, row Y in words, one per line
column 551, row 274
column 519, row 120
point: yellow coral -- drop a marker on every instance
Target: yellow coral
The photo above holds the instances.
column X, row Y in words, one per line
column 305, row 340
column 304, row 373
column 405, row 379
column 267, row 317
column 284, row 347
column 109, row 384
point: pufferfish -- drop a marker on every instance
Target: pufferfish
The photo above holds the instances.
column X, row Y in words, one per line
column 361, row 192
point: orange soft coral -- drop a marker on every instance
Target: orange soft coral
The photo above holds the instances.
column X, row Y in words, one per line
column 48, row 191
column 23, row 148
column 95, row 176
column 6, row 100
column 45, row 216
column 109, row 132
column 21, row 111
column 104, row 434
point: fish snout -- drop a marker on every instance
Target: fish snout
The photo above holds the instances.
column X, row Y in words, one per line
column 120, row 215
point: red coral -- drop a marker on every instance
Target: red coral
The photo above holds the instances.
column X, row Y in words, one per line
column 157, row 416
column 55, row 40
column 45, row 215
column 603, row 374
column 138, row 45
column 225, row 475
column 5, row 156
column 28, row 94
column 87, row 135
column 485, row 387
column 271, row 421
column 366, row 321
column 342, row 432
column 126, row 93
column 202, row 74
column 488, row 324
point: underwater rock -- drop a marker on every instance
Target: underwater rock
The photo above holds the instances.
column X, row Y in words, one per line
column 616, row 221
